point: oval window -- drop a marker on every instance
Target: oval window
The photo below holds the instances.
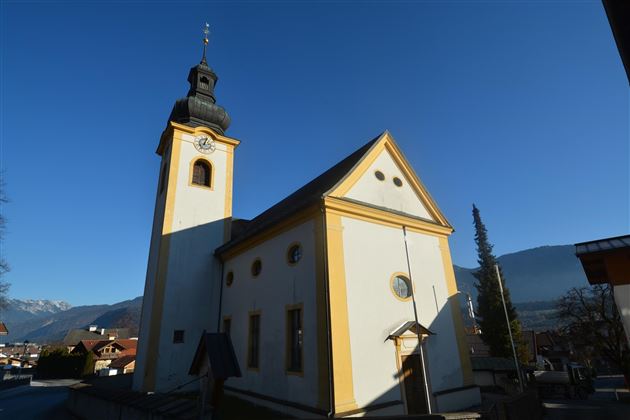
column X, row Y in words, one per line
column 379, row 175
column 401, row 287
column 294, row 254
column 229, row 279
column 397, row 181
column 256, row 268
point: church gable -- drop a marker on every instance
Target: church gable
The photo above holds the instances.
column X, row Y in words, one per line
column 384, row 179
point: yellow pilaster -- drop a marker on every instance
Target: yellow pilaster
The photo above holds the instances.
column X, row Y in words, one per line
column 339, row 328
column 458, row 322
column 163, row 256
column 323, row 385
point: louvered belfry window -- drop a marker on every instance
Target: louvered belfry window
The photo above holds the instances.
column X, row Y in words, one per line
column 201, row 173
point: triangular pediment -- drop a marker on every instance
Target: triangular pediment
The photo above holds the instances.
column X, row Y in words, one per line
column 384, row 179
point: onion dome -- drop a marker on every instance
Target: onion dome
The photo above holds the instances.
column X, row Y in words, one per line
column 199, row 107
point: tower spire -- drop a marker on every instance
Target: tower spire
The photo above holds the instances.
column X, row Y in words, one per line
column 199, row 107
column 206, row 31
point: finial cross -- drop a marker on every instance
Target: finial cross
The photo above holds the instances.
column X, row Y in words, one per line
column 206, row 31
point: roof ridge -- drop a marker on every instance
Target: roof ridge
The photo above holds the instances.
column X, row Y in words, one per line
column 303, row 197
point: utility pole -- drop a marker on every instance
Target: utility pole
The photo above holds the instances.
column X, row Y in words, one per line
column 418, row 333
column 507, row 320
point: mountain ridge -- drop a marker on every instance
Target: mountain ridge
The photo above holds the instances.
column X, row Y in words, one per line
column 536, row 277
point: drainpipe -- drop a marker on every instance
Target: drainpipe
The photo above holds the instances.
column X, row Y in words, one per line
column 331, row 403
column 220, row 297
column 415, row 314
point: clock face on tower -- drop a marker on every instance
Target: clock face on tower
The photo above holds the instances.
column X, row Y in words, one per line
column 205, row 144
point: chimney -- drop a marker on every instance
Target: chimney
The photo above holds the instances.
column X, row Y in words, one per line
column 102, row 331
column 92, row 328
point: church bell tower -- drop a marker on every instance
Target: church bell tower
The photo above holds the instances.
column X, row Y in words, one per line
column 192, row 217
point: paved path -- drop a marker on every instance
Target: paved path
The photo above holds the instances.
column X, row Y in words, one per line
column 602, row 404
column 41, row 400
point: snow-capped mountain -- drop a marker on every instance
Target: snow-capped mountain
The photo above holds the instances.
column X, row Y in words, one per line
column 20, row 310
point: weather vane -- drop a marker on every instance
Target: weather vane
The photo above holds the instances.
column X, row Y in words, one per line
column 206, row 31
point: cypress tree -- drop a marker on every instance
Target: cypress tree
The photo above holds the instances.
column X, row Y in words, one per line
column 494, row 331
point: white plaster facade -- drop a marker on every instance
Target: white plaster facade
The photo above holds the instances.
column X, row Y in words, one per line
column 278, row 285
column 368, row 189
column 181, row 256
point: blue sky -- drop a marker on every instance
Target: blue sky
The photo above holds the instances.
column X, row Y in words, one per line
column 519, row 107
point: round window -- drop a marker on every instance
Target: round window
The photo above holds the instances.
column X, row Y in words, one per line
column 229, row 279
column 294, row 254
column 379, row 175
column 397, row 181
column 401, row 286
column 256, row 268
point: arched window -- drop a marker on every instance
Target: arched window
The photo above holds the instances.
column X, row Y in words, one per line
column 204, row 83
column 202, row 173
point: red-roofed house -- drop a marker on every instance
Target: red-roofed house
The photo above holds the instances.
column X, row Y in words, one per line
column 106, row 351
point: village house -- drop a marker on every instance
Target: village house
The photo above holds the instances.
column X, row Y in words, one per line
column 93, row 332
column 106, row 351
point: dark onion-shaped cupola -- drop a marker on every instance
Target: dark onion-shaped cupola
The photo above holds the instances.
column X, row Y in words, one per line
column 199, row 107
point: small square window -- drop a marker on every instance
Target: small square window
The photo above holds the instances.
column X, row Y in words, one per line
column 178, row 336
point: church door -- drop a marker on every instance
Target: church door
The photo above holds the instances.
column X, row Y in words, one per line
column 414, row 384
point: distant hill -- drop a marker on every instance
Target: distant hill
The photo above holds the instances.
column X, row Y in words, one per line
column 44, row 326
column 536, row 278
column 538, row 274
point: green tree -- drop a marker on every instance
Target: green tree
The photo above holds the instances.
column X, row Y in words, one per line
column 494, row 331
column 591, row 321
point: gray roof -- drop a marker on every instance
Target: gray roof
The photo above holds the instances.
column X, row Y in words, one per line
column 602, row 245
column 217, row 347
column 73, row 337
column 308, row 195
column 412, row 326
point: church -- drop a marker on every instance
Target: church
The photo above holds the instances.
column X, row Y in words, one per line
column 340, row 300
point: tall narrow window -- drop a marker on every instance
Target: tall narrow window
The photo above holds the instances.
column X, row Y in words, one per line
column 295, row 340
column 201, row 173
column 254, row 341
column 227, row 325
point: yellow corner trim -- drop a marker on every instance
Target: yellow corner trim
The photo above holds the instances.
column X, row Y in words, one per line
column 293, row 221
column 458, row 323
column 386, row 142
column 339, row 323
column 384, row 217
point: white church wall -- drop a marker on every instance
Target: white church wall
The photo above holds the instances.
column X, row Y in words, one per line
column 369, row 189
column 193, row 274
column 145, row 319
column 373, row 253
column 278, row 285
